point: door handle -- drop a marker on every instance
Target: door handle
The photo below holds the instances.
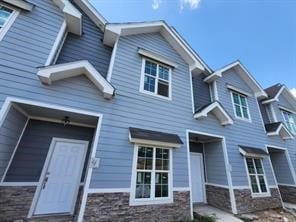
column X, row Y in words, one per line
column 45, row 180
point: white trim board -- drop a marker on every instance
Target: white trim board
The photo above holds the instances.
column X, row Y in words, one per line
column 20, row 4
column 52, row 73
column 10, row 20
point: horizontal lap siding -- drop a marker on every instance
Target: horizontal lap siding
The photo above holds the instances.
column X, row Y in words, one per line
column 87, row 47
column 10, row 132
column 242, row 132
column 215, row 168
column 281, row 168
column 201, row 92
column 31, row 153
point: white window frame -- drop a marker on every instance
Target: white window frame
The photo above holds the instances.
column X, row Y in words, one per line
column 247, row 106
column 288, row 123
column 10, row 20
column 260, row 193
column 152, row 200
column 142, row 90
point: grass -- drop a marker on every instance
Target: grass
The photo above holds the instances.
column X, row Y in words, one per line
column 199, row 218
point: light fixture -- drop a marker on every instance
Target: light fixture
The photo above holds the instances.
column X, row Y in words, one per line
column 66, row 120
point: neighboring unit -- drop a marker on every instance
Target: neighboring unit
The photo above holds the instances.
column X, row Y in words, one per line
column 125, row 122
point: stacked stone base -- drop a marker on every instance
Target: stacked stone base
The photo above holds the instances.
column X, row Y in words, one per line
column 15, row 204
column 288, row 194
column 246, row 203
column 115, row 207
column 218, row 197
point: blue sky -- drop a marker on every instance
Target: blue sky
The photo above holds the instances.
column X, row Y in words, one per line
column 262, row 34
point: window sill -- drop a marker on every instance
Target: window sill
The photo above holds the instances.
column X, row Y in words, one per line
column 158, row 96
column 243, row 119
column 259, row 195
column 134, row 202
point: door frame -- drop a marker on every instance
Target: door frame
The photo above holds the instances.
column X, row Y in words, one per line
column 45, row 167
column 202, row 175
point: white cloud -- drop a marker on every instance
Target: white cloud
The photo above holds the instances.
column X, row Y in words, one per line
column 192, row 4
column 293, row 91
column 156, row 4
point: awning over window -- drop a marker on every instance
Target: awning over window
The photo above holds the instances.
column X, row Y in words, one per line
column 156, row 138
column 252, row 152
column 278, row 129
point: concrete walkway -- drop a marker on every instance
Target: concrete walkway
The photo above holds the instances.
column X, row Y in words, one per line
column 219, row 215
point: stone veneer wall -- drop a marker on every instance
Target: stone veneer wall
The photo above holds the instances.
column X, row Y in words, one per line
column 115, row 207
column 245, row 203
column 15, row 203
column 218, row 197
column 288, row 194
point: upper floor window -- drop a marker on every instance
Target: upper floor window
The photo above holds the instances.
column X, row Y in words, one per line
column 240, row 106
column 7, row 16
column 256, row 176
column 156, row 79
column 290, row 121
column 152, row 172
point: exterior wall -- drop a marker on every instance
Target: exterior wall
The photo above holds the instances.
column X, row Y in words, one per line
column 237, row 133
column 87, row 47
column 218, row 197
column 32, row 151
column 245, row 203
column 215, row 164
column 281, row 168
column 265, row 112
column 115, row 207
column 201, row 92
column 288, row 193
column 10, row 131
column 15, row 203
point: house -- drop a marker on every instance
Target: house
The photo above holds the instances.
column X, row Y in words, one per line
column 124, row 121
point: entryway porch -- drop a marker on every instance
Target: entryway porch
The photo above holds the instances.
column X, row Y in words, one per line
column 45, row 152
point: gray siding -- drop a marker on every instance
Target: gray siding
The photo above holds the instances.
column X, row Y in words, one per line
column 264, row 113
column 31, row 153
column 87, row 47
column 201, row 92
column 242, row 129
column 281, row 168
column 10, row 132
column 215, row 165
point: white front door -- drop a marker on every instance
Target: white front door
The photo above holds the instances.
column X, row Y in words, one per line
column 61, row 177
column 197, row 177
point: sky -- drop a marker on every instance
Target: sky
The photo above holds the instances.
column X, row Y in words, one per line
column 261, row 34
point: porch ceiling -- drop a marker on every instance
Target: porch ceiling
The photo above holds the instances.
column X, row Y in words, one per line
column 54, row 114
column 201, row 138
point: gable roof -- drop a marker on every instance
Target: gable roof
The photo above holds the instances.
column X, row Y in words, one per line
column 217, row 110
column 244, row 74
column 114, row 30
column 275, row 91
column 52, row 73
column 278, row 129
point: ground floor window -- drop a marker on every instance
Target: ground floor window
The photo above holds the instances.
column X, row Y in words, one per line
column 152, row 172
column 256, row 175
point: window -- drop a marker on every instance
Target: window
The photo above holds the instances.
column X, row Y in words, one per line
column 256, row 175
column 290, row 121
column 152, row 174
column 156, row 79
column 7, row 16
column 240, row 106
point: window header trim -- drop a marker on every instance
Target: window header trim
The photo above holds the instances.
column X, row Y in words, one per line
column 156, row 57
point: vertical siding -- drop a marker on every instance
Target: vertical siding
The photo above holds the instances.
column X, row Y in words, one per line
column 87, row 47
column 32, row 151
column 216, row 173
column 201, row 92
column 281, row 168
column 10, row 132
